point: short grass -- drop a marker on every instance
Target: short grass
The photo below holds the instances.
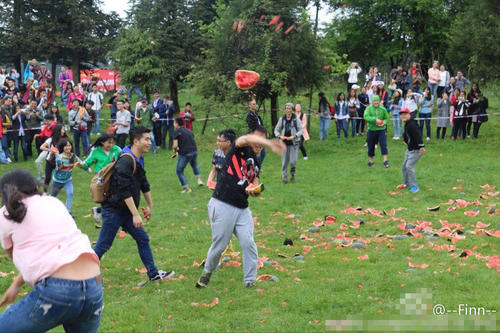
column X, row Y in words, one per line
column 332, row 282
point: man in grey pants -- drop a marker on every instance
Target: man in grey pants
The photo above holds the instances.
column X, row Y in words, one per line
column 228, row 208
column 289, row 130
column 416, row 148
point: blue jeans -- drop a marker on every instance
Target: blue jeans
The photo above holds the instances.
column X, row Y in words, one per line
column 5, row 144
column 153, row 143
column 97, row 127
column 111, row 222
column 17, row 139
column 352, row 122
column 181, row 165
column 427, row 121
column 77, row 135
column 324, row 123
column 68, row 187
column 3, row 159
column 397, row 124
column 342, row 124
column 433, row 87
column 75, row 304
column 131, row 90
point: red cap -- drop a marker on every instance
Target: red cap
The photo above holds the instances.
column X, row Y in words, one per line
column 404, row 110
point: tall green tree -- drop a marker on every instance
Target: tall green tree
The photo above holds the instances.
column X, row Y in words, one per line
column 392, row 31
column 474, row 45
column 241, row 38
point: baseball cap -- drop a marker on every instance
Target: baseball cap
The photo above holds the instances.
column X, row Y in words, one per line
column 375, row 98
column 404, row 110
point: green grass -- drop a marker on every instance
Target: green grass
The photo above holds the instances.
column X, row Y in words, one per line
column 323, row 286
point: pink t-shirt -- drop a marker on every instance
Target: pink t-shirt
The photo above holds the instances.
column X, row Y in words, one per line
column 45, row 240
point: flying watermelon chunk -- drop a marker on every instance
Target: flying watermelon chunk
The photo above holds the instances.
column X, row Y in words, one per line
column 246, row 79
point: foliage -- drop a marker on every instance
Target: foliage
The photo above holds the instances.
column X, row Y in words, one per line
column 474, row 44
column 391, row 31
column 286, row 62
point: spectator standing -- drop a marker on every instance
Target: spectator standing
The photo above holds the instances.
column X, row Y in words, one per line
column 34, row 120
column 43, row 75
column 158, row 111
column 443, row 114
column 64, row 78
column 305, row 134
column 459, row 120
column 254, row 121
column 426, row 112
column 122, row 123
column 341, row 115
column 14, row 75
column 480, row 115
column 96, row 97
column 416, row 77
column 353, row 105
column 353, row 73
column 188, row 116
column 415, row 149
column 144, row 118
column 324, row 116
column 434, row 77
column 396, row 105
column 77, row 119
column 168, row 122
column 364, row 101
column 19, row 131
column 444, row 80
column 461, row 81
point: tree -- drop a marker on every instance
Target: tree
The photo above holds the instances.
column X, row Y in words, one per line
column 392, row 31
column 474, row 40
column 285, row 54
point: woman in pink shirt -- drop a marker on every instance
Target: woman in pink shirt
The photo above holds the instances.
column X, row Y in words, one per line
column 76, row 94
column 53, row 256
column 434, row 77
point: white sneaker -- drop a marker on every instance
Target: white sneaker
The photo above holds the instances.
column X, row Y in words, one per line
column 96, row 214
column 9, row 160
column 394, row 138
column 428, row 138
column 397, row 138
column 306, row 158
column 366, row 144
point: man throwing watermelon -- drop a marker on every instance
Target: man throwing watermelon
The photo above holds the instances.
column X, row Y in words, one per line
column 228, row 208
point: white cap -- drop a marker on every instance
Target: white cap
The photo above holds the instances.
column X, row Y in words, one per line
column 355, row 86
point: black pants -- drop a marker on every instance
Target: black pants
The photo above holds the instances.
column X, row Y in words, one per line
column 167, row 128
column 30, row 135
column 459, row 126
column 121, row 140
column 19, row 140
column 301, row 147
column 360, row 123
column 49, row 168
column 438, row 131
column 475, row 132
column 469, row 124
column 157, row 133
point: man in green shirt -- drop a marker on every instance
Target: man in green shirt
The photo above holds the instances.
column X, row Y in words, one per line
column 376, row 118
column 144, row 117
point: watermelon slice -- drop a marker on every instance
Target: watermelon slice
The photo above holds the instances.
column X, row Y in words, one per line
column 211, row 185
column 255, row 189
column 246, row 79
column 433, row 209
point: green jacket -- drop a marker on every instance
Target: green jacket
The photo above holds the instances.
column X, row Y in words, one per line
column 99, row 157
column 145, row 116
column 372, row 114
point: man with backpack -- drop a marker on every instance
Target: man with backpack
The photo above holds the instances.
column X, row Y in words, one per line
column 289, row 130
column 120, row 207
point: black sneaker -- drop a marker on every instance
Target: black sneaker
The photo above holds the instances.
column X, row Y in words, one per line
column 251, row 285
column 292, row 180
column 203, row 280
column 386, row 164
column 370, row 164
column 162, row 275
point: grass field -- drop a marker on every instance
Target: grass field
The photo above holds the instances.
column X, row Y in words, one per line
column 332, row 282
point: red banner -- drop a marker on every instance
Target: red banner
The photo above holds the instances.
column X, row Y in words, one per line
column 107, row 77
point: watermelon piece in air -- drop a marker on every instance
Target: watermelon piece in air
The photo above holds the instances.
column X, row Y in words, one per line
column 246, row 79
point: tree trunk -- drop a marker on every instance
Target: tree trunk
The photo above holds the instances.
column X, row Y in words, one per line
column 17, row 32
column 174, row 94
column 75, row 66
column 274, row 109
column 55, row 81
column 317, row 4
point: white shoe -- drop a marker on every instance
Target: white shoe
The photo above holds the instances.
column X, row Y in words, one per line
column 428, row 138
column 9, row 160
column 306, row 158
column 394, row 138
column 397, row 138
column 366, row 144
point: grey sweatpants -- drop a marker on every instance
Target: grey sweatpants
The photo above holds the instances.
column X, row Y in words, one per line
column 289, row 156
column 411, row 158
column 226, row 219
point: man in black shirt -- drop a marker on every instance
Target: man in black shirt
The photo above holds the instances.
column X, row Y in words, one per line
column 228, row 208
column 254, row 121
column 413, row 140
column 185, row 148
column 120, row 209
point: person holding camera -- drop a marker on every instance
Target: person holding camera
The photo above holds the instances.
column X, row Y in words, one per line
column 188, row 116
column 78, row 118
column 352, row 73
column 122, row 123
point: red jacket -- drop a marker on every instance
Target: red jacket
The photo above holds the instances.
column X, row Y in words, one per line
column 47, row 130
column 188, row 120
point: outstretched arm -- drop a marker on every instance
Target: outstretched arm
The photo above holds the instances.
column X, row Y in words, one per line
column 275, row 145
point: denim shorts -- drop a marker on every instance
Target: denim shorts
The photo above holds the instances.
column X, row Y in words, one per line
column 75, row 304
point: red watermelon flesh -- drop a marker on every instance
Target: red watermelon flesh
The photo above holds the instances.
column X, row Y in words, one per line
column 246, row 79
